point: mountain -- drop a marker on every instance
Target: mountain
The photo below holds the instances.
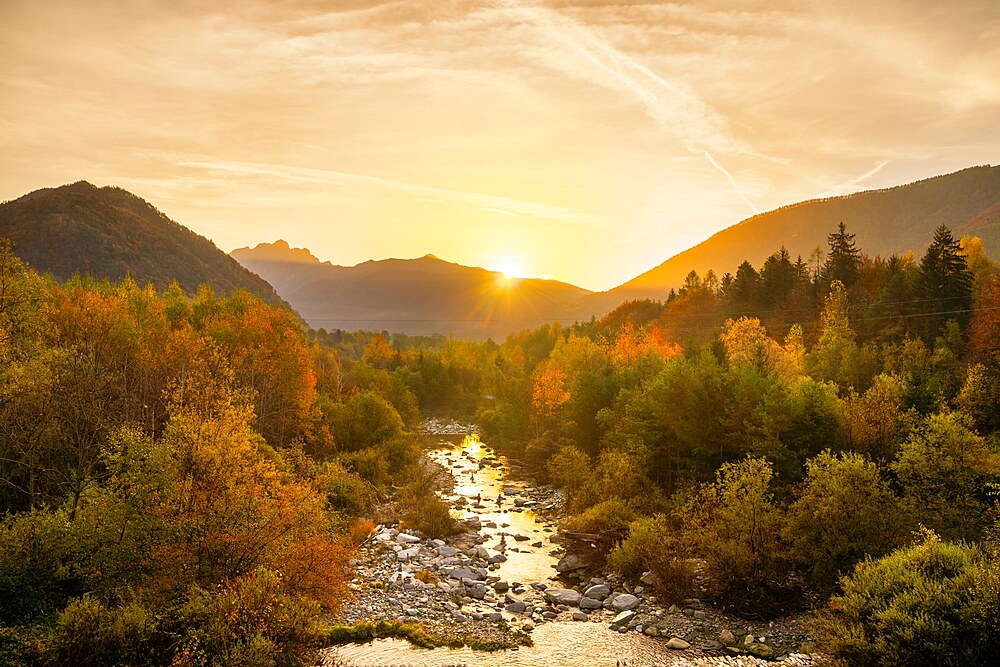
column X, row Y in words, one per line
column 414, row 296
column 886, row 222
column 110, row 233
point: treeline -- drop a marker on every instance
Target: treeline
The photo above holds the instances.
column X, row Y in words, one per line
column 182, row 479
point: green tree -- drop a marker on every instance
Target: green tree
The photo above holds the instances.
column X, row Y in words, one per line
column 944, row 282
column 844, row 513
column 843, row 263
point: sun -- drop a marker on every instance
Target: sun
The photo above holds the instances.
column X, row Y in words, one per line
column 510, row 267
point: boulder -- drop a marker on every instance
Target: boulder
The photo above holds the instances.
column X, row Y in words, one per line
column 678, row 644
column 590, row 603
column 517, row 607
column 447, row 552
column 623, row 618
column 566, row 596
column 466, row 573
column 598, row 592
column 570, row 563
column 625, row 602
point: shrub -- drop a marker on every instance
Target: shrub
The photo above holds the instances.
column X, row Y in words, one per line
column 944, row 469
column 652, row 546
column 346, row 493
column 422, row 509
column 844, row 512
column 607, row 516
column 363, row 421
column 734, row 525
column 570, row 469
column 90, row 633
column 933, row 603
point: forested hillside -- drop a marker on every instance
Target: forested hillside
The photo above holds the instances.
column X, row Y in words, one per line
column 887, row 222
column 110, row 233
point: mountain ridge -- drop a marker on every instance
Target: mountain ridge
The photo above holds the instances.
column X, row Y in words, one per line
column 108, row 232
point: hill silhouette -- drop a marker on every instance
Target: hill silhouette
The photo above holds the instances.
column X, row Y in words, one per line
column 886, row 222
column 110, row 233
column 414, row 296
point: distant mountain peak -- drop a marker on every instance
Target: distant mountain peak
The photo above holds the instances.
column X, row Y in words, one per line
column 279, row 251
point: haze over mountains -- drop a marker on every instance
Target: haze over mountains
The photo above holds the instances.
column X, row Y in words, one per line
column 110, row 233
column 415, row 296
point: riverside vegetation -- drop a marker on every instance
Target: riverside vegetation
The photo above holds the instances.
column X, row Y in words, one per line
column 185, row 478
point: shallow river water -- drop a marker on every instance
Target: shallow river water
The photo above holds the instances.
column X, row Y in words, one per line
column 480, row 477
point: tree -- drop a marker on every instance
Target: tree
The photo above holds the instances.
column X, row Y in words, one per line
column 845, row 512
column 844, row 261
column 944, row 282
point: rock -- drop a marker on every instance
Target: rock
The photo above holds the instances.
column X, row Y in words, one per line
column 678, row 644
column 625, row 602
column 651, row 631
column 699, row 615
column 403, row 538
column 727, row 638
column 528, row 626
column 494, row 616
column 580, row 616
column 447, row 552
column 760, row 650
column 570, row 563
column 501, row 587
column 647, row 579
column 623, row 618
column 598, row 592
column 590, row 603
column 517, row 607
column 466, row 573
column 565, row 596
column 407, row 554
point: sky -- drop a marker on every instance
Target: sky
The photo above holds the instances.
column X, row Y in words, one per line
column 582, row 140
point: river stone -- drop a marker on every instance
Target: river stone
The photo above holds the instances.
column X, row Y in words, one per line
column 570, row 563
column 565, row 596
column 598, row 592
column 625, row 602
column 528, row 626
column 466, row 573
column 501, row 586
column 403, row 538
column 517, row 607
column 727, row 638
column 647, row 579
column 590, row 603
column 407, row 554
column 623, row 618
column 579, row 616
column 446, row 551
column 678, row 644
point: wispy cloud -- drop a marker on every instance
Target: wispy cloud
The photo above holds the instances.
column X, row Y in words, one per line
column 327, row 177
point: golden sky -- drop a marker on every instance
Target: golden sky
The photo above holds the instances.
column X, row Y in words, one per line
column 584, row 140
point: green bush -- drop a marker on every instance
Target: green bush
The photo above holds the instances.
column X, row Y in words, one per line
column 652, row 546
column 569, row 469
column 346, row 493
column 734, row 525
column 613, row 514
column 934, row 604
column 90, row 633
column 422, row 509
column 364, row 421
column 845, row 511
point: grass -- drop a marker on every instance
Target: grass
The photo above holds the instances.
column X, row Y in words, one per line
column 367, row 631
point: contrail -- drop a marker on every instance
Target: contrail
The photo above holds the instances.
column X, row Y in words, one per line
column 855, row 183
column 691, row 117
column 732, row 181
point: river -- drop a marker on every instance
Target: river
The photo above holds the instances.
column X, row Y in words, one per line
column 481, row 477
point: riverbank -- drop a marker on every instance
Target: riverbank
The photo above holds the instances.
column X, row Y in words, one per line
column 503, row 583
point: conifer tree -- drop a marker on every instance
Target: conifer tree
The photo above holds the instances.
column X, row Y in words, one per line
column 945, row 282
column 844, row 261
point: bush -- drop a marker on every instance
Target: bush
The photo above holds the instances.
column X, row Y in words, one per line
column 944, row 469
column 90, row 633
column 346, row 493
column 607, row 516
column 570, row 469
column 934, row 603
column 652, row 546
column 845, row 512
column 422, row 509
column 734, row 525
column 364, row 421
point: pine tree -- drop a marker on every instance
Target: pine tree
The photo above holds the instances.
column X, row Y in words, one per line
column 844, row 261
column 945, row 282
